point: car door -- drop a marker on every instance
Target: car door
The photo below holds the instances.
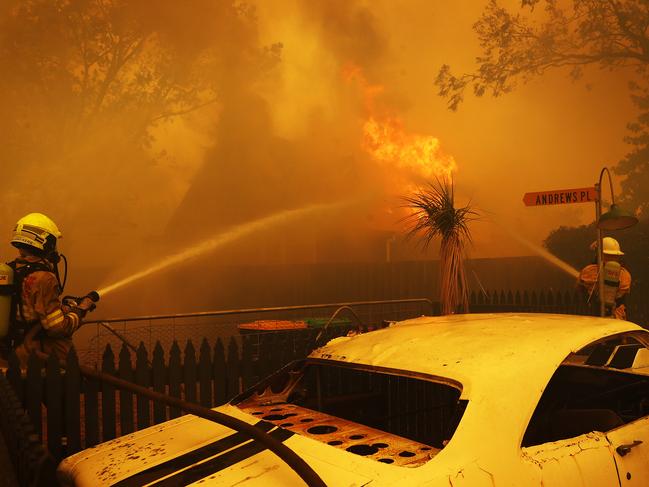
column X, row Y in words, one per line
column 591, row 426
column 630, row 442
column 583, row 461
column 630, row 446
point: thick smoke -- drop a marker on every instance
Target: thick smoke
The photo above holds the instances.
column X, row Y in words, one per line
column 146, row 126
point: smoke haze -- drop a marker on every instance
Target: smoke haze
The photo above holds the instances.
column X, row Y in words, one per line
column 227, row 112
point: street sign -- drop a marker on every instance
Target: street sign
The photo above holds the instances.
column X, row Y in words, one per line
column 560, row 197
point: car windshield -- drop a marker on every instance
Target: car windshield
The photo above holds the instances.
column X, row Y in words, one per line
column 391, row 416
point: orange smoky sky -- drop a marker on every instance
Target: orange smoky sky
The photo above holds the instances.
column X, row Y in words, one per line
column 288, row 129
column 552, row 133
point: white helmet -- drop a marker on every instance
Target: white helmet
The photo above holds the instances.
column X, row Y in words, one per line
column 610, row 246
column 37, row 231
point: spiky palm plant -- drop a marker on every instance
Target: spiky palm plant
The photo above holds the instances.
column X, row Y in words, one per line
column 434, row 215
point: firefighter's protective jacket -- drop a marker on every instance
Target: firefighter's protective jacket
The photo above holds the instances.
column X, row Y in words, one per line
column 48, row 326
column 588, row 281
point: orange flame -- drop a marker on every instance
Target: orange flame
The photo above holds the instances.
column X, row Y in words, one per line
column 354, row 73
column 385, row 138
column 387, row 142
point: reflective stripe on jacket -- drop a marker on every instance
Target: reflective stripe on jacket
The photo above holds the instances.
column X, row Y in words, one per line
column 588, row 279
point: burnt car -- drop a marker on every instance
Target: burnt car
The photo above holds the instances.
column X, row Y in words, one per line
column 462, row 400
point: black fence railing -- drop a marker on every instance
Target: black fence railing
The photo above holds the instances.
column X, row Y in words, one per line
column 71, row 412
column 91, row 339
column 561, row 302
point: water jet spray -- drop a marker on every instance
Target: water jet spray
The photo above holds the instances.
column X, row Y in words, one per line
column 551, row 258
column 233, row 234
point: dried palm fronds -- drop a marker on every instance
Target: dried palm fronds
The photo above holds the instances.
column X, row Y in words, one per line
column 434, row 215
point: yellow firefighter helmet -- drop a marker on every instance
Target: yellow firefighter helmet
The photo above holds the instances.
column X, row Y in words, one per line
column 37, row 231
column 611, row 246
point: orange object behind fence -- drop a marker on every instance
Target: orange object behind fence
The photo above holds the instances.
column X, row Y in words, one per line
column 272, row 325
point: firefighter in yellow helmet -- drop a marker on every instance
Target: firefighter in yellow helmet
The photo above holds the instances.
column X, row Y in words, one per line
column 39, row 321
column 588, row 279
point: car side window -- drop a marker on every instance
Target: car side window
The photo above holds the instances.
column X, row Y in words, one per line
column 599, row 388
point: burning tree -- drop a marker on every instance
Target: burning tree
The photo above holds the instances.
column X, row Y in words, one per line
column 435, row 215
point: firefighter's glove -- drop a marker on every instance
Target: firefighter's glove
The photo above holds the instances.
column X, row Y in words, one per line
column 83, row 307
column 69, row 302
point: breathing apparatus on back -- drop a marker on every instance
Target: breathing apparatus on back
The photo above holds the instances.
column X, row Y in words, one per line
column 612, row 270
column 611, row 273
column 6, row 295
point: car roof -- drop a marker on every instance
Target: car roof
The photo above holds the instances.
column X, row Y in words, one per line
column 503, row 363
column 479, row 351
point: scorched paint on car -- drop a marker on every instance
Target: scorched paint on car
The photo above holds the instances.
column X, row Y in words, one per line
column 463, row 400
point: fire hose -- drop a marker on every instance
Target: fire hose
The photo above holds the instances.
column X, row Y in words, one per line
column 93, row 296
column 288, row 456
column 295, row 462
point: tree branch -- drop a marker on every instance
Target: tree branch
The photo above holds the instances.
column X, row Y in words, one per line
column 184, row 111
column 513, row 47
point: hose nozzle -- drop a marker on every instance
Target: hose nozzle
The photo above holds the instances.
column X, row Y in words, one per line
column 93, row 296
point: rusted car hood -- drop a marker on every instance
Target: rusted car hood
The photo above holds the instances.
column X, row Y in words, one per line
column 191, row 449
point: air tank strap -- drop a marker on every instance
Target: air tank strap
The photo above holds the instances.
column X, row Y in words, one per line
column 20, row 273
